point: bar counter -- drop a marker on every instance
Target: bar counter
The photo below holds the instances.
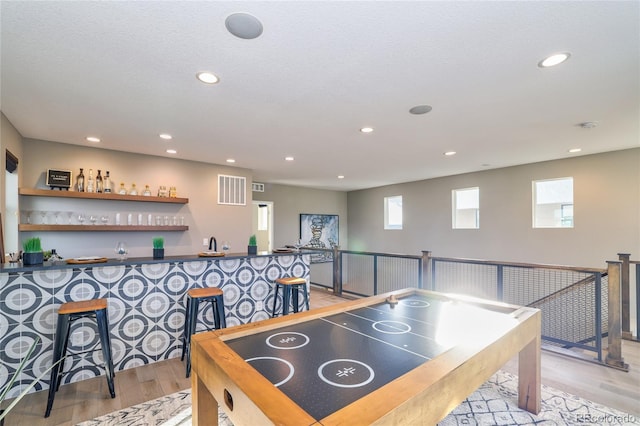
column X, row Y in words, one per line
column 146, row 306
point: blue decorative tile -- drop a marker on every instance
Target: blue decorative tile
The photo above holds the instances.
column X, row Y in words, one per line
column 146, row 307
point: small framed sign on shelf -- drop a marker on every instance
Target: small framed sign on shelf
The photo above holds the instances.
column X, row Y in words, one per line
column 60, row 179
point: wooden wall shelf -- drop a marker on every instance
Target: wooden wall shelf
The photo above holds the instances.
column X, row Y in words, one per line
column 102, row 196
column 97, row 228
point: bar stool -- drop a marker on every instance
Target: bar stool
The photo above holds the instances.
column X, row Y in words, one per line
column 68, row 313
column 290, row 286
column 194, row 297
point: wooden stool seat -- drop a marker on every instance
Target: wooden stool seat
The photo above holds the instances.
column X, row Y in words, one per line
column 291, row 281
column 82, row 306
column 194, row 297
column 291, row 287
column 68, row 313
column 204, row 292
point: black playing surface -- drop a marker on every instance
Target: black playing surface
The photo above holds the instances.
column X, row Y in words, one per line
column 327, row 363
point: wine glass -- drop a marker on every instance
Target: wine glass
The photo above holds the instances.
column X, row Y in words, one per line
column 81, row 218
column 121, row 250
column 93, row 218
column 104, row 219
column 43, row 215
column 70, row 216
column 298, row 244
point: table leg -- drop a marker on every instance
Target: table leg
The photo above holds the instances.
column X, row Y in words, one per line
column 529, row 377
column 204, row 409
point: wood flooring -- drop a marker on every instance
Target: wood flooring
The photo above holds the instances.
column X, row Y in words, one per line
column 88, row 399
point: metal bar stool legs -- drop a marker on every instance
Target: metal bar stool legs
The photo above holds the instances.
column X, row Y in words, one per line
column 194, row 297
column 291, row 287
column 68, row 313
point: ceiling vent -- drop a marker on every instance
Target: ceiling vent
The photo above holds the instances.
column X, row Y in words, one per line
column 232, row 190
column 257, row 187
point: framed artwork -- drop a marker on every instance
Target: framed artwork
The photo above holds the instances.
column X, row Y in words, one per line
column 320, row 231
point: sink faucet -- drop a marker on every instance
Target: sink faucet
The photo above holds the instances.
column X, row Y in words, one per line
column 213, row 244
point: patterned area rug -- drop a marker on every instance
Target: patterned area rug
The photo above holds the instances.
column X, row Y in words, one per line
column 494, row 403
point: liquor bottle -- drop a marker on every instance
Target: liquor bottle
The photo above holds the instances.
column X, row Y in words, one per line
column 99, row 182
column 133, row 190
column 91, row 187
column 147, row 191
column 107, row 183
column 122, row 190
column 80, row 181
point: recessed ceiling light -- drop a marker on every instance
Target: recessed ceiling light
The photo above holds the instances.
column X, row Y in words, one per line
column 288, row 158
column 207, row 77
column 230, row 160
column 366, row 129
column 420, row 109
column 172, row 151
column 574, row 150
column 166, row 136
column 340, row 177
column 93, row 139
column 450, row 153
column 554, row 60
column 243, row 25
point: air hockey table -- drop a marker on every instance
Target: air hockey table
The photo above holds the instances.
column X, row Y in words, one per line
column 365, row 361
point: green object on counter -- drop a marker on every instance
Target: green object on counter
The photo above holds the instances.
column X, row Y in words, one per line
column 252, row 240
column 32, row 245
column 158, row 242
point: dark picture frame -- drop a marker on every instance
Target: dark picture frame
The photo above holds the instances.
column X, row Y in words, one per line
column 320, row 231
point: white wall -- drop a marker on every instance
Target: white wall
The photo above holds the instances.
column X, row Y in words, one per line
column 290, row 201
column 606, row 209
column 194, row 180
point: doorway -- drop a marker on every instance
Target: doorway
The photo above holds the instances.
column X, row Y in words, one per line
column 262, row 224
column 12, row 212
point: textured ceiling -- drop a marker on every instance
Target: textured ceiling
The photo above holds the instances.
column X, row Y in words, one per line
column 125, row 71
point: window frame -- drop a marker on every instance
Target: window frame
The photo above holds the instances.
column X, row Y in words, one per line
column 387, row 224
column 454, row 209
column 558, row 214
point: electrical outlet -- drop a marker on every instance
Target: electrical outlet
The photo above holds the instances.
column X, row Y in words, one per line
column 205, row 242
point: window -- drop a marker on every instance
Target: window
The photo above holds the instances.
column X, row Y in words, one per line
column 466, row 208
column 393, row 212
column 553, row 203
column 263, row 217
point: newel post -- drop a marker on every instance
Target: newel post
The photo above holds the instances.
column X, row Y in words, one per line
column 626, row 302
column 426, row 270
column 614, row 354
column 337, row 271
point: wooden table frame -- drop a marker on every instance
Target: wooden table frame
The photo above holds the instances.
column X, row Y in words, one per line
column 425, row 395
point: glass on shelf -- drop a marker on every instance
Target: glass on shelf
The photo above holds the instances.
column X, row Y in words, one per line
column 81, row 218
column 298, row 244
column 69, row 217
column 93, row 219
column 43, row 217
column 26, row 216
column 121, row 250
column 104, row 219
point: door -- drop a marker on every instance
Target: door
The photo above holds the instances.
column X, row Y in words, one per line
column 263, row 224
